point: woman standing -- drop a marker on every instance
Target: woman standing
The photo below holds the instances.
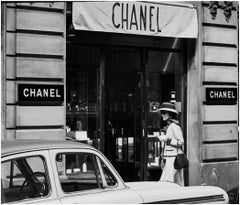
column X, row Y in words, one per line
column 172, row 140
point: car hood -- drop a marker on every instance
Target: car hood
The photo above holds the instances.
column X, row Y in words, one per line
column 167, row 192
column 146, row 185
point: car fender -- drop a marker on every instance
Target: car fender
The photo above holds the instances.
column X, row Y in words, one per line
column 167, row 192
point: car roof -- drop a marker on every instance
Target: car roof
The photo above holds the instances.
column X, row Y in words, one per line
column 9, row 147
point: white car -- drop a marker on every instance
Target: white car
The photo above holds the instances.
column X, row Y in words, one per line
column 37, row 171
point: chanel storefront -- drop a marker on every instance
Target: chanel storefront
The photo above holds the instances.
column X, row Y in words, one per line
column 98, row 71
column 134, row 58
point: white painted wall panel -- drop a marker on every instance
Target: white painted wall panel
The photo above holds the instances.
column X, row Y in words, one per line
column 10, row 116
column 10, row 68
column 40, row 68
column 220, row 151
column 9, row 135
column 220, row 132
column 11, row 19
column 40, row 115
column 46, row 21
column 220, row 74
column 220, row 35
column 51, row 4
column 45, row 134
column 215, row 54
column 40, row 44
column 220, row 112
column 11, row 92
column 10, row 44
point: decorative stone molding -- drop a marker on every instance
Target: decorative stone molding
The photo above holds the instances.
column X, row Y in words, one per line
column 213, row 6
column 227, row 7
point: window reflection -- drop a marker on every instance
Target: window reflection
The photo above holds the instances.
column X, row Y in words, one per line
column 24, row 178
column 82, row 95
column 165, row 76
column 83, row 171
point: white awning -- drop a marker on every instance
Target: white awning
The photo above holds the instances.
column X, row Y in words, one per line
column 135, row 17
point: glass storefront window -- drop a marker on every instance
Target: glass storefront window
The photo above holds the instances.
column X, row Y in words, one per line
column 137, row 82
column 165, row 82
column 121, row 110
column 82, row 102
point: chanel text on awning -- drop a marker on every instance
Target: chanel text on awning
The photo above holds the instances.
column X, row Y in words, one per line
column 141, row 18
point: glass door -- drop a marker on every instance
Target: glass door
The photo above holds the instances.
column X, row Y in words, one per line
column 166, row 81
column 124, row 112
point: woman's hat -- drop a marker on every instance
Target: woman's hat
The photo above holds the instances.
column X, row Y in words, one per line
column 169, row 107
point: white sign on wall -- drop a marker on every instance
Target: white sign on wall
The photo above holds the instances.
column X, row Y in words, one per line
column 142, row 18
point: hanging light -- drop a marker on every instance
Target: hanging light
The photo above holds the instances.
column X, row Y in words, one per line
column 173, row 96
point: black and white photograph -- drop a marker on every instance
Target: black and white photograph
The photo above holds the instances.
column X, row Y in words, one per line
column 119, row 102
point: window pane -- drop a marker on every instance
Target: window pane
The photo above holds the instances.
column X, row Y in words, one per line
column 110, row 179
column 82, row 94
column 165, row 82
column 24, row 178
column 78, row 172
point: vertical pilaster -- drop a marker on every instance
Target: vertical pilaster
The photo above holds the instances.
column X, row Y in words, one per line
column 215, row 145
column 35, row 53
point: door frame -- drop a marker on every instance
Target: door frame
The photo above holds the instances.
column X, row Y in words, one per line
column 144, row 115
column 143, row 171
column 143, row 157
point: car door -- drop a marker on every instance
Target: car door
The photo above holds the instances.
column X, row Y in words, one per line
column 85, row 176
column 27, row 178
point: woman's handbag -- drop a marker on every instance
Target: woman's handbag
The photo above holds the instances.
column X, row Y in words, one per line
column 181, row 161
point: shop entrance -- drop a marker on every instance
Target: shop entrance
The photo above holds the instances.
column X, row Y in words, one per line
column 136, row 82
column 125, row 111
column 112, row 94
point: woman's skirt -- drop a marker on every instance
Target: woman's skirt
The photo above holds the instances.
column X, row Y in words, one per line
column 171, row 174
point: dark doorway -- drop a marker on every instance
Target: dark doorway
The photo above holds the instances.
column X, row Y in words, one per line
column 136, row 82
column 124, row 111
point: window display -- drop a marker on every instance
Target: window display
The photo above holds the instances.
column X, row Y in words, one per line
column 113, row 93
column 82, row 98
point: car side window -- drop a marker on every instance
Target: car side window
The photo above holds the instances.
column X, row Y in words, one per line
column 24, row 178
column 109, row 177
column 78, row 172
